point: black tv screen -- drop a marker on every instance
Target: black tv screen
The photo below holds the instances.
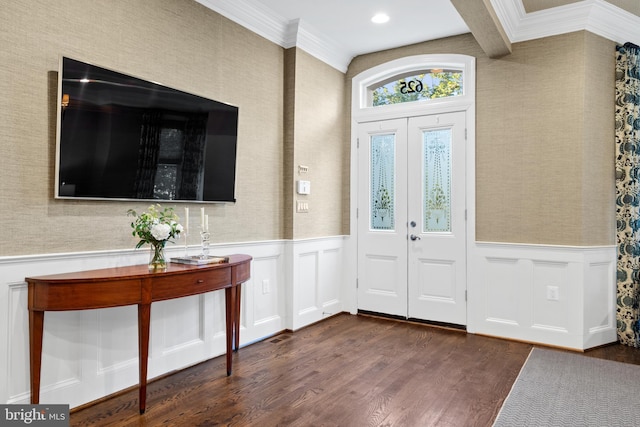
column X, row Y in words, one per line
column 121, row 137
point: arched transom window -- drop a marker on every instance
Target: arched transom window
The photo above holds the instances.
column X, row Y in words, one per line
column 422, row 85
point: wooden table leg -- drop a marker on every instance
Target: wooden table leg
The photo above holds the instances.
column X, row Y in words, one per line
column 144, row 319
column 36, row 326
column 230, row 307
column 236, row 322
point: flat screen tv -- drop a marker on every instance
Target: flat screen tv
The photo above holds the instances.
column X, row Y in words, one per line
column 123, row 138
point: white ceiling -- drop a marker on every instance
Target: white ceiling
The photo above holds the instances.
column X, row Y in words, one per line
column 335, row 31
column 348, row 22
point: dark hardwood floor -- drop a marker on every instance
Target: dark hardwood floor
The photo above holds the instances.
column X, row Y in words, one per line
column 344, row 371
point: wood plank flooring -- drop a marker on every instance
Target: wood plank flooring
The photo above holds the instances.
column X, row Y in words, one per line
column 344, row 371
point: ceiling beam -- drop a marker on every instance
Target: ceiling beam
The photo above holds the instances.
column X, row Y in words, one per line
column 485, row 26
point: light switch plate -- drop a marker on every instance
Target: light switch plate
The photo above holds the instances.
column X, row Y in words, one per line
column 304, row 187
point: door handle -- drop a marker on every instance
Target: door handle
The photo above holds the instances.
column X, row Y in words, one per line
column 414, row 237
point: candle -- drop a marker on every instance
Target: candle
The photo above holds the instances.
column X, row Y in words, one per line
column 206, row 223
column 202, row 219
column 186, row 220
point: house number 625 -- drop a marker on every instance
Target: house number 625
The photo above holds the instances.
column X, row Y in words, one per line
column 411, row 86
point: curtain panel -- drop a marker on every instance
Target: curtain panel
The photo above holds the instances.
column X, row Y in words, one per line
column 627, row 138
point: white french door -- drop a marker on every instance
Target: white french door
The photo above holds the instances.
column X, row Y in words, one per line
column 411, row 217
column 382, row 217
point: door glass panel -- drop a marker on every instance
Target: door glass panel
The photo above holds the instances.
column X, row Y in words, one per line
column 382, row 182
column 436, row 148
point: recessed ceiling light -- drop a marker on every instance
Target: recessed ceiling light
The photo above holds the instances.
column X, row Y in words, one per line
column 380, row 18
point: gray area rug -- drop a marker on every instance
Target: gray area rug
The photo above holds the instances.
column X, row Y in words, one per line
column 556, row 388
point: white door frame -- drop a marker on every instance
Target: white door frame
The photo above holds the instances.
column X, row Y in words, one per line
column 361, row 112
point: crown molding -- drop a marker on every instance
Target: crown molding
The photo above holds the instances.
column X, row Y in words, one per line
column 286, row 33
column 596, row 16
column 253, row 16
column 614, row 23
column 291, row 35
column 322, row 48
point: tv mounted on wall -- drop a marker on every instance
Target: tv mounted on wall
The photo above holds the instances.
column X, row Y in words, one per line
column 123, row 138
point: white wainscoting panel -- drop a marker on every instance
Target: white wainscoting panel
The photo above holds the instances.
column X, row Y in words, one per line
column 307, row 284
column 500, row 300
column 16, row 352
column 316, row 280
column 330, row 291
column 94, row 353
column 263, row 311
column 560, row 296
column 116, row 338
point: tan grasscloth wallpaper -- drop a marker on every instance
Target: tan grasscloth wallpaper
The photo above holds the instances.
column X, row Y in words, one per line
column 316, row 113
column 181, row 44
column 544, row 137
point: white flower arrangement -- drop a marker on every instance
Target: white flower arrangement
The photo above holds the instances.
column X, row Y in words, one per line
column 156, row 226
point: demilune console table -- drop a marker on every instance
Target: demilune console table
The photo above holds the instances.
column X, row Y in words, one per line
column 120, row 286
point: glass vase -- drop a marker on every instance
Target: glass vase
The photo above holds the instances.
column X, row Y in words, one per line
column 157, row 259
column 205, row 236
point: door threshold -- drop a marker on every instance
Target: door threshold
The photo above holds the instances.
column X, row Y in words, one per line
column 443, row 325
